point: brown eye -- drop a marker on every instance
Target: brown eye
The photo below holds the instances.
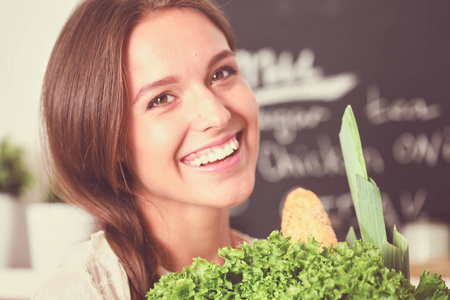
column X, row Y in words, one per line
column 222, row 74
column 219, row 75
column 164, row 99
column 161, row 100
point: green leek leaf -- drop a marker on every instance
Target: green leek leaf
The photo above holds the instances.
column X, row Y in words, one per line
column 370, row 214
column 365, row 194
column 351, row 237
column 392, row 256
column 352, row 153
column 367, row 198
column 400, row 242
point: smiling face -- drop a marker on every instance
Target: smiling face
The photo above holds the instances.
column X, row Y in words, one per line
column 194, row 120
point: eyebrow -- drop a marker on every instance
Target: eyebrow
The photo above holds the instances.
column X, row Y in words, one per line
column 173, row 79
column 156, row 84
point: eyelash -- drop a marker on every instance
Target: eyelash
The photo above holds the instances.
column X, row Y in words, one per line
column 154, row 102
column 229, row 69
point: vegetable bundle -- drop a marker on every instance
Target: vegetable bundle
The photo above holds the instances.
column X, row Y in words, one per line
column 278, row 268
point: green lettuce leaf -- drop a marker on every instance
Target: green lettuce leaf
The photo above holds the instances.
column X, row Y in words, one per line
column 276, row 268
column 431, row 287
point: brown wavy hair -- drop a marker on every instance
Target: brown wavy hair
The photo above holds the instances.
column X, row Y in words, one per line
column 85, row 109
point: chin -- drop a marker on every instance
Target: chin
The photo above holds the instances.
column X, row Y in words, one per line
column 240, row 194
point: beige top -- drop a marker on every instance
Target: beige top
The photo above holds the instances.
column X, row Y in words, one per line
column 93, row 272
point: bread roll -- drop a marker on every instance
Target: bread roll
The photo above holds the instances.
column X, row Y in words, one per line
column 304, row 216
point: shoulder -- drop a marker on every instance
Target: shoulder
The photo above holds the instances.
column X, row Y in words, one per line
column 93, row 271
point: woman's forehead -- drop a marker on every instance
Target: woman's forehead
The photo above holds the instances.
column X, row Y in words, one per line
column 167, row 41
column 171, row 26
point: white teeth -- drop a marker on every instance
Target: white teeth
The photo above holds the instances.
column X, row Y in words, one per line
column 197, row 162
column 203, row 159
column 216, row 154
column 234, row 145
column 228, row 150
column 212, row 157
column 220, row 153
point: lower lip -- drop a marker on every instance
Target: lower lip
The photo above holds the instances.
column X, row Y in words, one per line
column 222, row 166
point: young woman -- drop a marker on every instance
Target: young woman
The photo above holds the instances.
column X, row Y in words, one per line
column 152, row 129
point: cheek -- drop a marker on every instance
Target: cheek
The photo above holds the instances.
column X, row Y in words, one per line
column 246, row 107
column 250, row 111
column 154, row 144
column 244, row 103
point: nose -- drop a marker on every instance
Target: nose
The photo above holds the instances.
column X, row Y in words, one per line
column 209, row 111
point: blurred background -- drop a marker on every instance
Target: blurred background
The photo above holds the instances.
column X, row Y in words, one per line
column 306, row 60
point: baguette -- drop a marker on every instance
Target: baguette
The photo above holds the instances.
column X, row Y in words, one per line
column 303, row 216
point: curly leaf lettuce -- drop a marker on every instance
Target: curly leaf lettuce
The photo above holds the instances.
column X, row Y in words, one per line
column 276, row 268
column 431, row 287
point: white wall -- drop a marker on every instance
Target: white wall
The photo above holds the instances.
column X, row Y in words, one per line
column 28, row 30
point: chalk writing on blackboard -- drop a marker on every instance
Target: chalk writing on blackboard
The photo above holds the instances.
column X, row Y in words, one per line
column 277, row 163
column 282, row 78
column 412, row 203
column 286, row 123
column 423, row 148
column 380, row 110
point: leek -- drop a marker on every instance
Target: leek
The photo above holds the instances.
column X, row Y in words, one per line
column 367, row 199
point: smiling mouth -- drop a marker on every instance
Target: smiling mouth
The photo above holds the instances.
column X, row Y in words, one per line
column 213, row 155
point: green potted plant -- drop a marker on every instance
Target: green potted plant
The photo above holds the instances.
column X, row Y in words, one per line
column 14, row 173
column 15, row 176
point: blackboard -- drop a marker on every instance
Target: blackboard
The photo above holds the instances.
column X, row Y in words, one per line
column 307, row 60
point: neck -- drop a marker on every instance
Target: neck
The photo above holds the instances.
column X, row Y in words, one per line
column 185, row 231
